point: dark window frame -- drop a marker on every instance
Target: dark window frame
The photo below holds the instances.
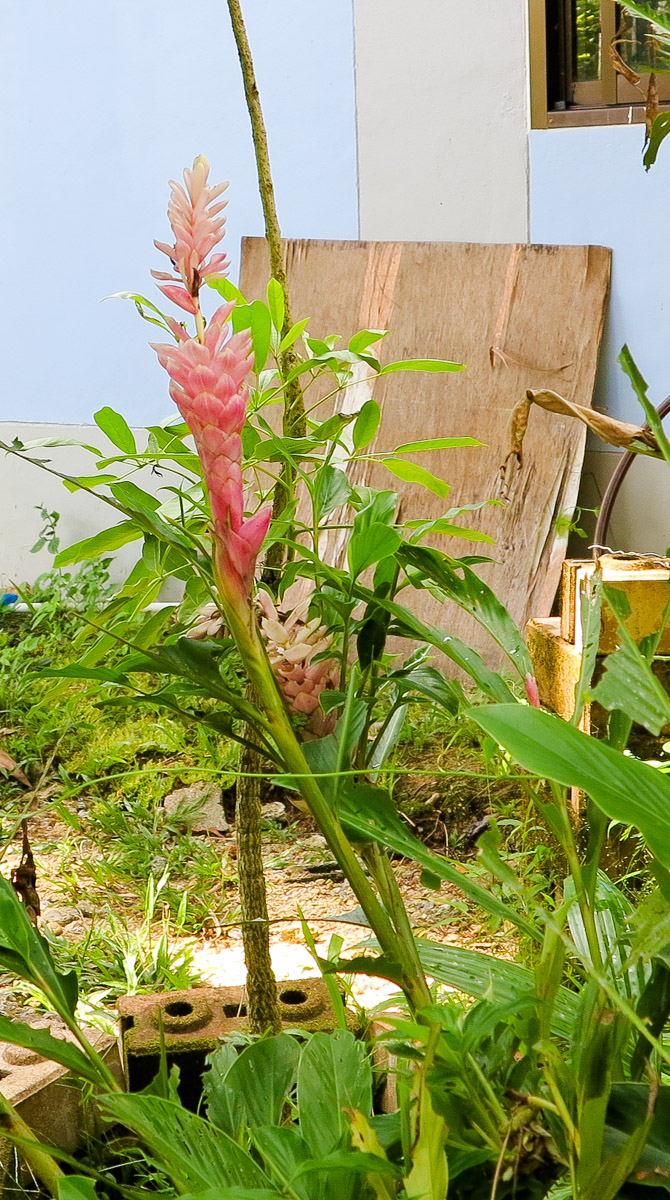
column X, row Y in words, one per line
column 557, row 97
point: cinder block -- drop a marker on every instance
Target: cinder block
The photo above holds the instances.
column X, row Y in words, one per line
column 46, row 1096
column 557, row 664
column 644, row 581
column 192, row 1024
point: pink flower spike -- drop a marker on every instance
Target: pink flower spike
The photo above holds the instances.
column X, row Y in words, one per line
column 209, row 386
column 197, row 227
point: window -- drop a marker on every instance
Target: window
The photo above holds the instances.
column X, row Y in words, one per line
column 592, row 54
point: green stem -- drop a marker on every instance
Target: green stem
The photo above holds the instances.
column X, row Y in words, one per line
column 239, row 618
column 32, row 1150
column 106, row 1077
column 382, row 872
column 570, row 850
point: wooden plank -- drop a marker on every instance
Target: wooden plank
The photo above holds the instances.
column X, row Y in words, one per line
column 518, row 316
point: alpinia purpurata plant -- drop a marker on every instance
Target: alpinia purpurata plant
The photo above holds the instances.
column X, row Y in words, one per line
column 209, row 386
column 208, row 375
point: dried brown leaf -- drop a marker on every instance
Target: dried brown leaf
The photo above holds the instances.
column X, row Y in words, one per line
column 653, row 106
column 7, row 763
column 638, row 438
column 621, row 67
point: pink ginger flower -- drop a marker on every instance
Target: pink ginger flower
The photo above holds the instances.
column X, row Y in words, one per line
column 292, row 644
column 198, row 227
column 208, row 385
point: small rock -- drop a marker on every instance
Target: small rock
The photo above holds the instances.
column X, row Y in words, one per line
column 59, row 915
column 274, row 811
column 158, row 864
column 315, row 842
column 86, row 909
column 197, row 808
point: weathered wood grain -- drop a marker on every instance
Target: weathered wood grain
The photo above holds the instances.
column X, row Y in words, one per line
column 518, row 316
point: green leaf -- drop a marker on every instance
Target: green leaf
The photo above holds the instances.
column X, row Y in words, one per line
column 76, row 1187
column 256, row 1082
column 430, row 682
column 24, row 952
column 649, row 12
column 276, row 304
column 629, row 685
column 330, row 429
column 100, row 543
column 355, row 1162
column 235, row 1193
column 412, row 473
column 334, row 1074
column 88, row 481
column 42, row 1042
column 332, row 489
column 368, row 546
column 461, row 584
column 624, row 788
column 660, row 128
column 421, row 364
column 424, row 528
column 627, row 1112
column 283, row 1151
column 492, row 979
column 117, row 429
column 293, row 334
column 134, row 497
column 256, row 318
column 194, row 1154
column 408, row 626
column 368, row 813
column 640, row 388
column 261, row 333
column 226, row 289
column 443, row 443
column 366, row 424
column 366, row 337
column 224, row 1107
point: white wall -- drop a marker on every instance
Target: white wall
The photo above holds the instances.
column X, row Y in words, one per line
column 103, row 103
column 589, row 186
column 442, row 101
column 24, row 487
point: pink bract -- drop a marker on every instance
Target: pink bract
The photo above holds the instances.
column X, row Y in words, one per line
column 198, row 227
column 208, row 385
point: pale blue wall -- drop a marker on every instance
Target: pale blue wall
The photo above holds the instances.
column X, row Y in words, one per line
column 101, row 103
column 589, row 186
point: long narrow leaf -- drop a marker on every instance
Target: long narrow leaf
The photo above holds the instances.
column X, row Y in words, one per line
column 624, row 788
column 196, row 1156
column 462, row 585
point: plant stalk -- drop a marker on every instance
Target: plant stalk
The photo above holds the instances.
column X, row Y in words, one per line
column 261, row 983
column 36, row 1156
column 294, row 406
column 239, row 619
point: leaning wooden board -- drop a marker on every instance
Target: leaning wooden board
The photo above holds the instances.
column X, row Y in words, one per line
column 518, row 316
